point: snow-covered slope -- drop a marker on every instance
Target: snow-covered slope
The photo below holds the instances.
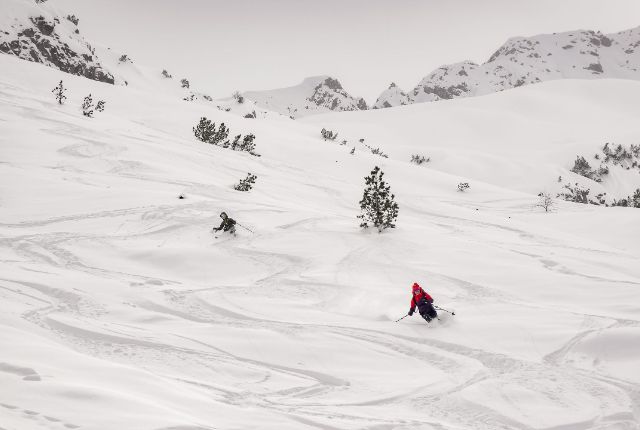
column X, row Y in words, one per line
column 527, row 60
column 118, row 308
column 314, row 95
column 526, row 139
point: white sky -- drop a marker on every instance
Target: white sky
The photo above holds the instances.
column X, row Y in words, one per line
column 262, row 44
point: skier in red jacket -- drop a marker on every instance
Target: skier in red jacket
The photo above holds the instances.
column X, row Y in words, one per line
column 423, row 301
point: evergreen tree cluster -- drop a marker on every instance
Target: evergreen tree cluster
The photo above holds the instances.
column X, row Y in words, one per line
column 419, row 159
column 246, row 184
column 626, row 157
column 374, row 151
column 616, row 155
column 378, row 206
column 88, row 107
column 328, row 134
column 583, row 168
column 631, row 201
column 576, row 194
column 206, row 131
column 463, row 186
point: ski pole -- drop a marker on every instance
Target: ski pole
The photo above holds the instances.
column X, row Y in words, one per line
column 403, row 317
column 244, row 227
column 441, row 309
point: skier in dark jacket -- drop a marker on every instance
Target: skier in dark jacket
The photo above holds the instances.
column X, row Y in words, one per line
column 423, row 301
column 227, row 224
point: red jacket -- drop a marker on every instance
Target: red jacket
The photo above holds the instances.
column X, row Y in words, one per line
column 417, row 295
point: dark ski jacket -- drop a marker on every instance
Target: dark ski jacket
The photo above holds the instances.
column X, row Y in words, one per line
column 226, row 224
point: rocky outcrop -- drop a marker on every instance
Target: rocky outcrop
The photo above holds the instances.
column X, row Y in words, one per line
column 392, row 96
column 42, row 37
column 314, row 95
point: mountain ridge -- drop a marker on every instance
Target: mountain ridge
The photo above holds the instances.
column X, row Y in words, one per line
column 581, row 54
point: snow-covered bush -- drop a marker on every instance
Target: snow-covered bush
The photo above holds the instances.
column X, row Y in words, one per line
column 545, row 201
column 124, row 58
column 59, row 93
column 246, row 184
column 463, row 186
column 88, row 107
column 353, row 150
column 184, row 83
column 238, row 97
column 378, row 205
column 328, row 134
column 378, row 151
column 576, row 194
column 251, row 115
column 419, row 159
column 166, row 74
column 72, row 18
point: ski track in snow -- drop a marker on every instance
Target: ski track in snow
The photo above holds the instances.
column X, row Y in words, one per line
column 308, row 352
column 306, row 393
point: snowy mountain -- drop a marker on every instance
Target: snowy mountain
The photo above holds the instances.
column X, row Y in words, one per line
column 392, row 96
column 528, row 60
column 314, row 95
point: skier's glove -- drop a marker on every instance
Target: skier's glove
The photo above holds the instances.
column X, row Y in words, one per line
column 410, row 313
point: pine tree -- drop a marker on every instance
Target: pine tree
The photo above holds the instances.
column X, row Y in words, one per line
column 205, row 130
column 635, row 200
column 100, row 105
column 184, row 83
column 328, row 134
column 220, row 135
column 248, row 143
column 87, row 106
column 59, row 93
column 246, row 184
column 378, row 205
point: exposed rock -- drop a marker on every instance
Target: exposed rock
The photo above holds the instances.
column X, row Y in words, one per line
column 46, row 40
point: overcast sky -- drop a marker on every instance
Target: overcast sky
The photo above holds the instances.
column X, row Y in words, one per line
column 262, row 44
